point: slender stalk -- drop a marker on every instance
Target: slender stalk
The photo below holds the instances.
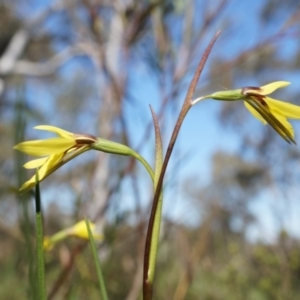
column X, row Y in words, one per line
column 39, row 243
column 144, row 163
column 148, row 285
column 97, row 263
column 199, row 99
column 120, row 149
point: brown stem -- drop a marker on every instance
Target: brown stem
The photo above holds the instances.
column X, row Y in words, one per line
column 148, row 286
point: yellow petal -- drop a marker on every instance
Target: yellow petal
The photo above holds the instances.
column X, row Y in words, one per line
column 255, row 113
column 48, row 244
column 29, row 184
column 277, row 121
column 283, row 120
column 35, row 163
column 45, row 147
column 271, row 87
column 58, row 131
column 49, row 165
column 80, row 230
column 286, row 109
column 46, row 169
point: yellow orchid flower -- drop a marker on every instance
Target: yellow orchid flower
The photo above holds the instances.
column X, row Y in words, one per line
column 264, row 108
column 78, row 230
column 66, row 146
column 58, row 151
column 272, row 111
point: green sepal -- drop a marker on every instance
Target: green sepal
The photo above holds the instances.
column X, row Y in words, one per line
column 111, row 147
column 231, row 95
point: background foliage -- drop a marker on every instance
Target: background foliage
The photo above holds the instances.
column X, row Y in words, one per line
column 232, row 194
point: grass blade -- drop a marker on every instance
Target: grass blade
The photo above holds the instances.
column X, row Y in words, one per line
column 97, row 263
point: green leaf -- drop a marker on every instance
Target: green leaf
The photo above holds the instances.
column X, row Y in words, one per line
column 158, row 212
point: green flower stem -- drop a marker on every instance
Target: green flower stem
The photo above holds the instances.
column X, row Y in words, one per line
column 120, row 149
column 57, row 237
column 199, row 99
column 144, row 163
column 39, row 244
column 97, row 263
column 40, row 257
